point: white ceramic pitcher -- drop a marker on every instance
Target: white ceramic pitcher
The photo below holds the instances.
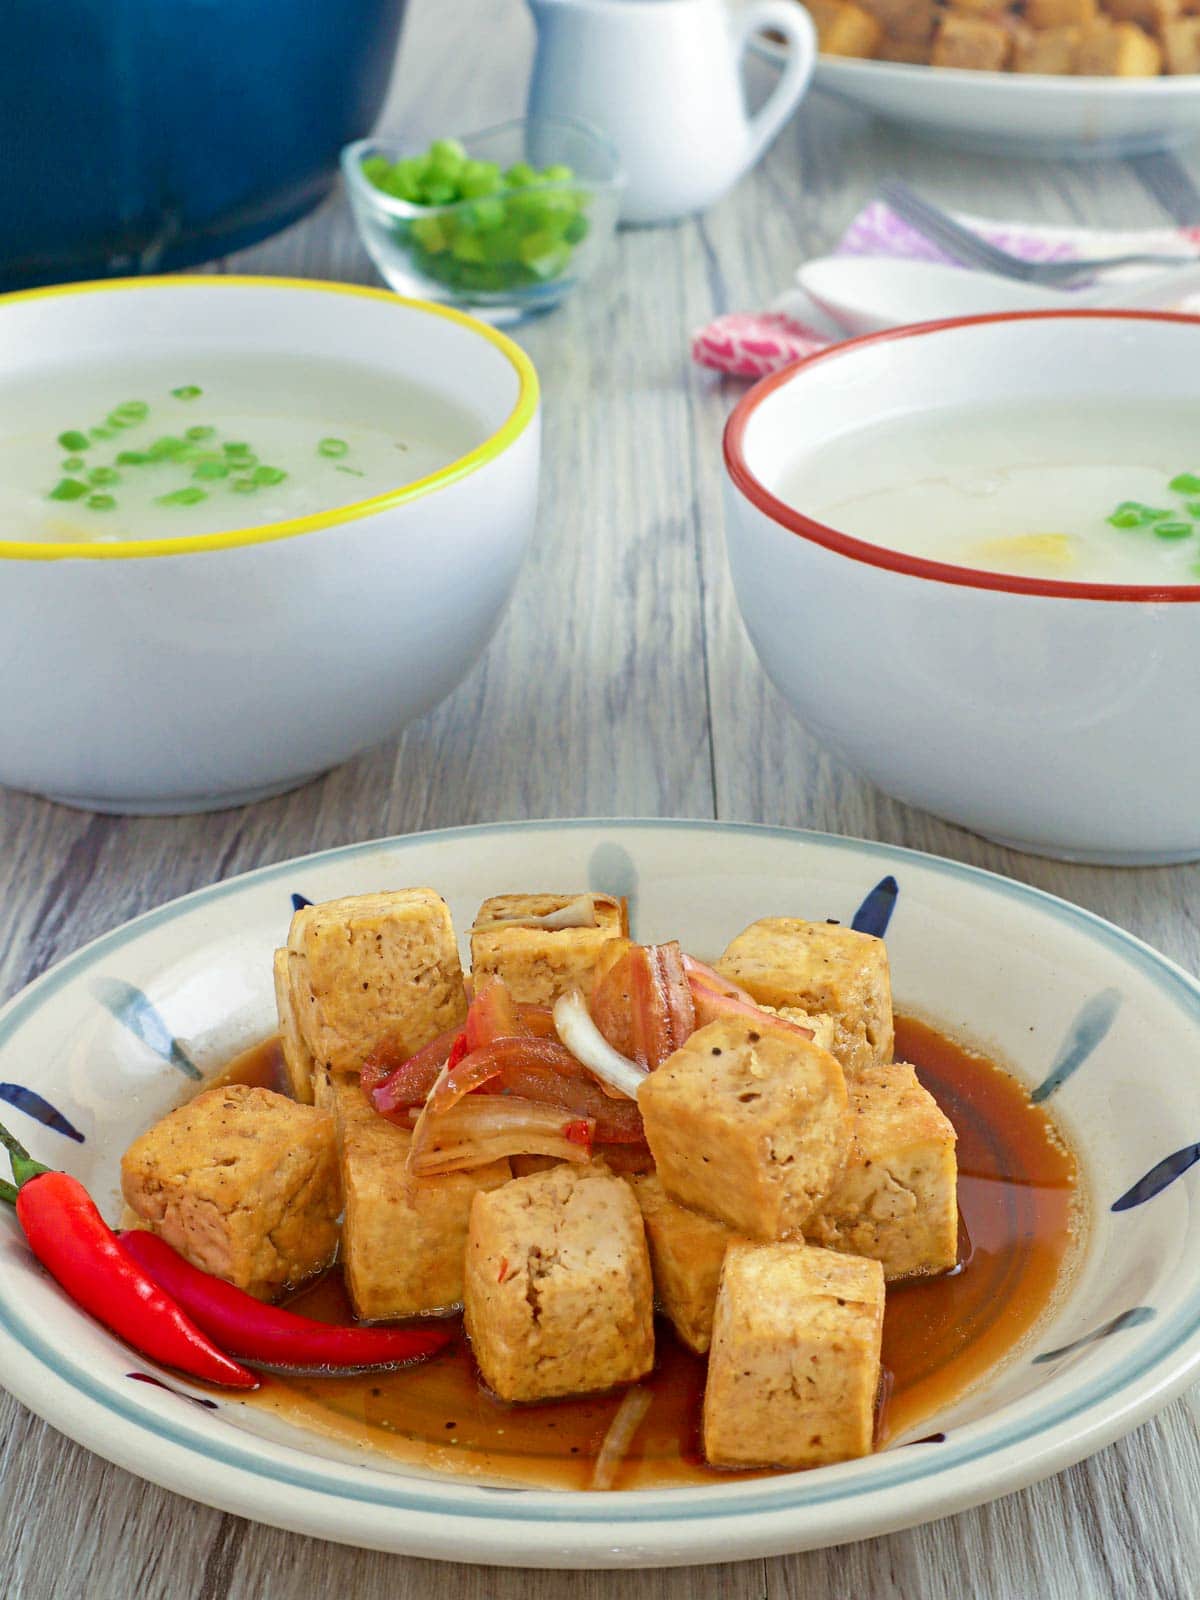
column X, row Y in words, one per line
column 663, row 78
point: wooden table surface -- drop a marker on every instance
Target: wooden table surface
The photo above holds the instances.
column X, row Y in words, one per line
column 620, row 684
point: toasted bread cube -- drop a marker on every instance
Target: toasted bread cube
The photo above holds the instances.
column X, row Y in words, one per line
column 897, row 1200
column 1046, row 50
column 539, row 964
column 978, row 44
column 1181, row 45
column 1152, row 15
column 558, row 1297
column 845, row 29
column 823, row 968
column 1060, row 13
column 373, row 967
column 911, row 52
column 244, row 1183
column 748, row 1124
column 793, row 1371
column 404, row 1239
column 686, row 1252
column 297, row 1057
column 1118, row 50
column 903, row 19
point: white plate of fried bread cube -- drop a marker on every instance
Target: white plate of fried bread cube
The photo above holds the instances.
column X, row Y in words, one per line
column 806, row 1196
column 1055, row 78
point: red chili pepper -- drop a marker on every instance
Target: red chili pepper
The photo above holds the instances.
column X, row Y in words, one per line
column 81, row 1252
column 269, row 1336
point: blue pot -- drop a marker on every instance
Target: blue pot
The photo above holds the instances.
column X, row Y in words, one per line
column 141, row 135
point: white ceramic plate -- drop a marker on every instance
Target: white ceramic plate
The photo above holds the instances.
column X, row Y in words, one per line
column 1017, row 113
column 104, row 1043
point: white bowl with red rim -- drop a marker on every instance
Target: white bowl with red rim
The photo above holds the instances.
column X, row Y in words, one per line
column 1057, row 717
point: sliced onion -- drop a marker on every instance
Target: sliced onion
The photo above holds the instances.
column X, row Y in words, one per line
column 577, row 913
column 710, row 978
column 587, row 1044
column 483, row 1128
column 617, row 1441
column 712, row 1006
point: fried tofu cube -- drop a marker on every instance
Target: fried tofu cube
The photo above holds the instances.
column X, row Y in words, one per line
column 1181, row 45
column 845, row 29
column 297, row 1057
column 793, row 1371
column 911, row 52
column 978, row 44
column 404, row 1239
column 539, row 964
column 686, row 1252
column 558, row 1297
column 1046, row 50
column 1060, row 13
column 244, row 1183
column 373, row 967
column 823, row 968
column 748, row 1124
column 1118, row 50
column 822, row 1027
column 897, row 1200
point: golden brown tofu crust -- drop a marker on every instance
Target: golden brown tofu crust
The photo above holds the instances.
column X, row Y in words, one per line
column 558, row 1297
column 297, row 1057
column 825, row 968
column 539, row 964
column 1181, row 43
column 897, row 1200
column 793, row 1371
column 244, row 1183
column 403, row 1239
column 1053, row 51
column 1117, row 50
column 686, row 1253
column 374, row 967
column 749, row 1125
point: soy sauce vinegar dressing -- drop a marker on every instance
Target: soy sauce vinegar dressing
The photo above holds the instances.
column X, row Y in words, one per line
column 1021, row 1227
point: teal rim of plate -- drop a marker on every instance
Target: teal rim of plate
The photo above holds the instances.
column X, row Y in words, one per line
column 634, row 1507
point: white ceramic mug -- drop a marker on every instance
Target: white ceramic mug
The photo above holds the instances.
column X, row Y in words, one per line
column 663, row 79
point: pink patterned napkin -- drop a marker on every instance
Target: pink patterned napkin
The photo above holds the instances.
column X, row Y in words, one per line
column 751, row 344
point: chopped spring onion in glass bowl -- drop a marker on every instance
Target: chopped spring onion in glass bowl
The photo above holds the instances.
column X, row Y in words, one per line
column 504, row 222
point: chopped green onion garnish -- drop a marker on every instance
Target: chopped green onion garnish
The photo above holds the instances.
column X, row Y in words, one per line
column 211, row 467
column 101, row 433
column 243, row 486
column 73, row 464
column 1185, row 483
column 129, row 412
column 132, row 458
column 268, row 475
column 101, row 502
column 353, row 471
column 237, row 447
column 1173, row 530
column 73, row 440
column 182, row 497
column 104, row 475
column 164, row 448
column 199, row 432
column 193, row 391
column 1135, row 514
column 68, row 489
column 333, row 448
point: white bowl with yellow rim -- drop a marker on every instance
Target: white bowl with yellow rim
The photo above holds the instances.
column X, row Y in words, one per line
column 185, row 671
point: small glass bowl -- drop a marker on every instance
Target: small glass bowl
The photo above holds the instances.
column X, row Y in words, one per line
column 515, row 251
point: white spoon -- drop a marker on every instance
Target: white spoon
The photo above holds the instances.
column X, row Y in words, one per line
column 865, row 294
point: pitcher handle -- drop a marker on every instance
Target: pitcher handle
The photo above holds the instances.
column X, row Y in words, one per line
column 794, row 22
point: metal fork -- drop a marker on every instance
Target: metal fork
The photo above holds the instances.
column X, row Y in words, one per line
column 963, row 245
